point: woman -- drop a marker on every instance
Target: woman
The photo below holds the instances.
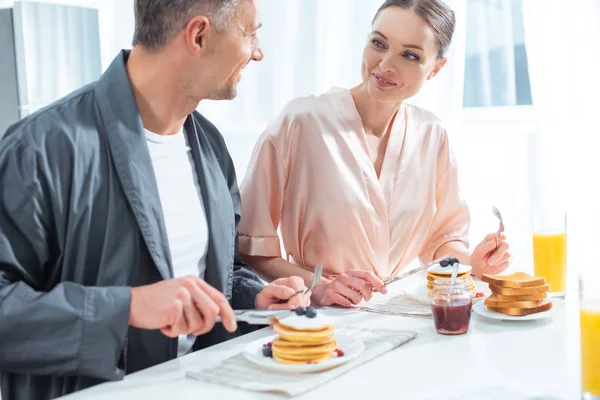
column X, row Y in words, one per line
column 358, row 179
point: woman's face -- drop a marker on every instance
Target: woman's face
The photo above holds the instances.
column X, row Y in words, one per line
column 400, row 55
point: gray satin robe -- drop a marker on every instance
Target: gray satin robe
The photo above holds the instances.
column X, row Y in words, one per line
column 81, row 223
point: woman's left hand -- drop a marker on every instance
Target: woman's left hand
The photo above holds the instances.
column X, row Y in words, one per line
column 489, row 259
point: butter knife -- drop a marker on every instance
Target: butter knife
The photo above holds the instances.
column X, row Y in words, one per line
column 414, row 271
column 259, row 317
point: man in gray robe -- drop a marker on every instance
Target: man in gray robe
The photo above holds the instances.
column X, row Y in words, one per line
column 119, row 210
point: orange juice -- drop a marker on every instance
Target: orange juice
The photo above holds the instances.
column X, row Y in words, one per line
column 550, row 259
column 590, row 346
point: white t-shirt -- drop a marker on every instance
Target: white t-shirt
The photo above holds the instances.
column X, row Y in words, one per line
column 183, row 208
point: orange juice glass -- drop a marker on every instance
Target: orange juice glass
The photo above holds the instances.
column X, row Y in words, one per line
column 589, row 313
column 550, row 250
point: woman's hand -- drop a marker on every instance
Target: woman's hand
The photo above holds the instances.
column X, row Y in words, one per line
column 348, row 289
column 487, row 259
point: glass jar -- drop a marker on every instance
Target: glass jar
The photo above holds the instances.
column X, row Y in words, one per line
column 451, row 306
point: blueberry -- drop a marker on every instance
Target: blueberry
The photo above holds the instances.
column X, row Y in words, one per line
column 445, row 262
column 267, row 351
column 300, row 310
column 311, row 312
column 454, row 261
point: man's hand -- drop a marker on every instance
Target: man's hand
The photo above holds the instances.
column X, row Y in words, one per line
column 281, row 295
column 180, row 307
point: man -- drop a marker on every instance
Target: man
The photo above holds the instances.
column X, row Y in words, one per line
column 119, row 210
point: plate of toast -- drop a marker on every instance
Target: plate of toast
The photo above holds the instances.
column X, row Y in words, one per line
column 516, row 297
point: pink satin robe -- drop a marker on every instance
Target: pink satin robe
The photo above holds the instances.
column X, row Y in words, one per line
column 311, row 175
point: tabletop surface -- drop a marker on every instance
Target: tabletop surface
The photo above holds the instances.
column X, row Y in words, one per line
column 496, row 359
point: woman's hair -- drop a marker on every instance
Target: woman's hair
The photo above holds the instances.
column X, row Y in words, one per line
column 437, row 14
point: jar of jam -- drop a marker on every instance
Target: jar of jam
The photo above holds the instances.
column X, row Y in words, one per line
column 451, row 306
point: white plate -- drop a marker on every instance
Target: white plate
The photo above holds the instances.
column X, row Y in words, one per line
column 481, row 309
column 419, row 292
column 351, row 347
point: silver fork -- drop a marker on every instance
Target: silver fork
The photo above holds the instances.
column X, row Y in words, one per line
column 316, row 279
column 500, row 227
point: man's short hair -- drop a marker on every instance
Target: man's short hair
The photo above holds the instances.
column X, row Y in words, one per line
column 157, row 22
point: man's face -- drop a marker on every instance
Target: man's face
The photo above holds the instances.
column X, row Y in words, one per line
column 233, row 49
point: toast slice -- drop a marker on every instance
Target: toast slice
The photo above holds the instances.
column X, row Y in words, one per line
column 493, row 301
column 524, row 297
column 514, row 280
column 544, row 305
column 509, row 291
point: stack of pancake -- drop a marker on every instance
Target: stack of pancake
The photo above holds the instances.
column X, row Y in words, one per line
column 517, row 294
column 303, row 340
column 438, row 271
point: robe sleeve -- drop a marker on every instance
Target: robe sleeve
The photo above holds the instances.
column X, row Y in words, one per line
column 452, row 217
column 262, row 200
column 69, row 329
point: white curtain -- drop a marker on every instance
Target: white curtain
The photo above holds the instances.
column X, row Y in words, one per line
column 491, row 53
column 562, row 44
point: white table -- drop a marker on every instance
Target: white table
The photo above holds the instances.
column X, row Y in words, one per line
column 537, row 358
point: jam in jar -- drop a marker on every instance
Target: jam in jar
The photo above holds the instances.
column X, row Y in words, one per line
column 451, row 306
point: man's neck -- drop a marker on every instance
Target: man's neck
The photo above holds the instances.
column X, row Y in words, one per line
column 158, row 90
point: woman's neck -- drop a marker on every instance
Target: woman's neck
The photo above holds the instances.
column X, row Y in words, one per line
column 376, row 116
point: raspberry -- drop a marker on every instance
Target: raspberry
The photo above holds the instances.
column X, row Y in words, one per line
column 339, row 353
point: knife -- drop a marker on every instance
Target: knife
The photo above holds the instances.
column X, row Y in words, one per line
column 414, row 271
column 259, row 317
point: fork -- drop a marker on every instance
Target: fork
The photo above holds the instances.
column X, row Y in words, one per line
column 316, row 279
column 497, row 214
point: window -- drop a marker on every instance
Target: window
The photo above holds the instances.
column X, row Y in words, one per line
column 496, row 72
